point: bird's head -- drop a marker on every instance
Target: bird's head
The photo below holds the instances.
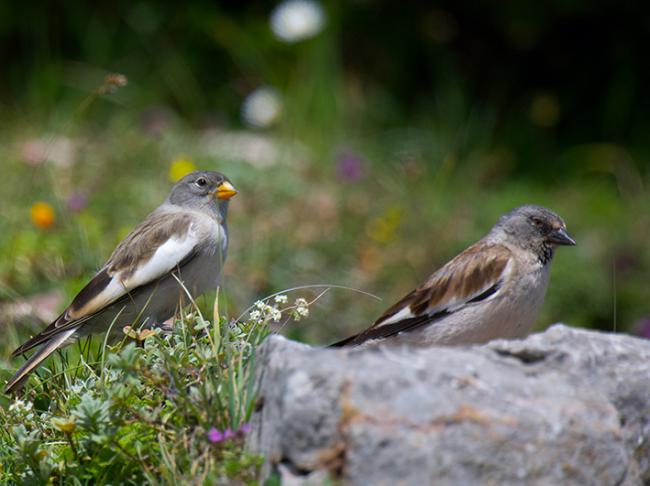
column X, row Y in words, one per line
column 202, row 189
column 536, row 228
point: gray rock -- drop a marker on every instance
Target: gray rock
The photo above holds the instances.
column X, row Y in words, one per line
column 566, row 406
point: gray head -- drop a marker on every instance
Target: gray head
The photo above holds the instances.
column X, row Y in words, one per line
column 203, row 190
column 534, row 228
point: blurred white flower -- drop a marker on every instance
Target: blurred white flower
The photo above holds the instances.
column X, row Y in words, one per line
column 281, row 299
column 274, row 314
column 17, row 405
column 259, row 149
column 296, row 20
column 265, row 311
column 23, row 408
column 262, row 108
column 301, row 310
column 61, row 151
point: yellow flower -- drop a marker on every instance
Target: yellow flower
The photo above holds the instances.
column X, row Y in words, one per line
column 42, row 215
column 180, row 168
column 65, row 425
column 382, row 229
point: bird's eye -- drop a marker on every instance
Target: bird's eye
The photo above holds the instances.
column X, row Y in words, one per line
column 539, row 224
column 201, row 182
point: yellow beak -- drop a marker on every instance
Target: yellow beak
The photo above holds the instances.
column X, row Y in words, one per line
column 225, row 190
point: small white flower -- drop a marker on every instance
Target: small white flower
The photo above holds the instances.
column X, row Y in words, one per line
column 259, row 305
column 20, row 406
column 262, row 108
column 299, row 313
column 297, row 20
column 281, row 299
column 275, row 314
column 16, row 405
column 303, row 311
column 272, row 313
column 255, row 315
column 300, row 302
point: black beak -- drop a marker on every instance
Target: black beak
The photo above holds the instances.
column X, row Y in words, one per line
column 561, row 237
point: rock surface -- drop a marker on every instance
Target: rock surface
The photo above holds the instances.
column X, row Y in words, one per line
column 566, row 406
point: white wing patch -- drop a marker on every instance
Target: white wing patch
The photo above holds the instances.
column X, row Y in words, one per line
column 166, row 257
column 405, row 313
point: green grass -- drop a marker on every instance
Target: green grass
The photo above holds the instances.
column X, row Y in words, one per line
column 130, row 414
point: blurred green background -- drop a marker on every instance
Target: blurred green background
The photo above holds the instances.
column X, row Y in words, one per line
column 370, row 141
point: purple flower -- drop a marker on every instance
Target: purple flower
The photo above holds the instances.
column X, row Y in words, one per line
column 215, row 436
column 77, row 201
column 350, row 167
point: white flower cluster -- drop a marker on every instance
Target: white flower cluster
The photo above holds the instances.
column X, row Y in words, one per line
column 301, row 309
column 22, row 408
column 281, row 299
column 265, row 312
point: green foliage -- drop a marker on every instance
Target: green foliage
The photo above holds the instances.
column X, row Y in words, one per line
column 140, row 414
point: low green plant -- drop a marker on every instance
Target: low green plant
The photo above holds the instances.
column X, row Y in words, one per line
column 160, row 408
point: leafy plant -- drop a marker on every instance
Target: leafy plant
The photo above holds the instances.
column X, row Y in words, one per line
column 156, row 408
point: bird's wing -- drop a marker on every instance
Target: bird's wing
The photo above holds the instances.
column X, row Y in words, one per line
column 160, row 244
column 473, row 276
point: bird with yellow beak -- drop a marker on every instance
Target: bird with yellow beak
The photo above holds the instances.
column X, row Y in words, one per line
column 175, row 254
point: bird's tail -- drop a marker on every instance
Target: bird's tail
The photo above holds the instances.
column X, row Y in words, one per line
column 18, row 380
